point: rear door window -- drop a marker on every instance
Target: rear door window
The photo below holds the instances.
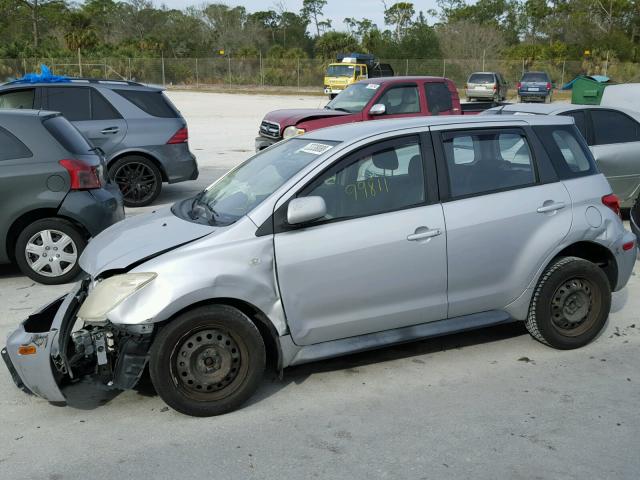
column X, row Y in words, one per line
column 568, row 151
column 101, row 109
column 12, row 148
column 67, row 135
column 73, row 102
column 535, row 77
column 579, row 117
column 152, row 102
column 438, row 97
column 487, row 161
column 18, row 98
column 610, row 126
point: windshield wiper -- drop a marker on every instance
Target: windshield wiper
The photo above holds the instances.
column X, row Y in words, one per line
column 340, row 109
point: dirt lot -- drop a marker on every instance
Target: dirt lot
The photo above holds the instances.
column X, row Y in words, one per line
column 485, row 405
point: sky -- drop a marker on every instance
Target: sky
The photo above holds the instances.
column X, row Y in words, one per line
column 336, row 10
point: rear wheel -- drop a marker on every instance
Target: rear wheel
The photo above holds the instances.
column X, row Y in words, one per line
column 570, row 304
column 48, row 250
column 138, row 178
column 208, row 361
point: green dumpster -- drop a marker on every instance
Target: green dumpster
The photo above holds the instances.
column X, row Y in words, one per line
column 588, row 90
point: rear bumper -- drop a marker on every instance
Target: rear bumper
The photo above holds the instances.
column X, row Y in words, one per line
column 94, row 209
column 626, row 259
column 480, row 93
column 534, row 95
column 177, row 161
column 264, row 142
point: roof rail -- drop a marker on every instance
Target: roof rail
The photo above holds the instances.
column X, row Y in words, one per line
column 103, row 81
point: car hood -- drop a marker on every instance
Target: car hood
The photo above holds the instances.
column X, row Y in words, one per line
column 139, row 238
column 289, row 117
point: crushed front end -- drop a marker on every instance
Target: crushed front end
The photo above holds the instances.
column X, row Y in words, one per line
column 52, row 352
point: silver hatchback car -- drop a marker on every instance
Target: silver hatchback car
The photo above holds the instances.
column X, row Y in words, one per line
column 338, row 241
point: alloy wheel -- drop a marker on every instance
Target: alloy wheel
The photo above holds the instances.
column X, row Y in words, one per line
column 136, row 181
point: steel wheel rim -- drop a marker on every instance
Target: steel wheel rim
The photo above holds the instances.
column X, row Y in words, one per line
column 136, row 181
column 209, row 364
column 51, row 253
column 575, row 306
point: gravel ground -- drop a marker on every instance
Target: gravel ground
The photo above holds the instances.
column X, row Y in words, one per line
column 483, row 405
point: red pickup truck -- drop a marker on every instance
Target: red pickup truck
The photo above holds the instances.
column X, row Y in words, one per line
column 376, row 98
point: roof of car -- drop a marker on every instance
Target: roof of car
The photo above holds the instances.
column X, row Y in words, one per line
column 75, row 81
column 401, row 79
column 359, row 130
column 553, row 108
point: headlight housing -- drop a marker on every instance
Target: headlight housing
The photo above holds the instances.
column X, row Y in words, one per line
column 109, row 293
column 292, row 131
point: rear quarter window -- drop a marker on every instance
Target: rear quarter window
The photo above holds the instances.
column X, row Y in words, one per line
column 12, row 148
column 67, row 135
column 568, row 151
column 152, row 102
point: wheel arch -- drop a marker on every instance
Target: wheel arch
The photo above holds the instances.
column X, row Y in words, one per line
column 28, row 218
column 595, row 253
column 266, row 328
column 140, row 153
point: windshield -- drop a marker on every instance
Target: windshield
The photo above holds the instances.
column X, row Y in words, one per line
column 340, row 70
column 245, row 187
column 354, row 98
column 482, row 78
column 535, row 77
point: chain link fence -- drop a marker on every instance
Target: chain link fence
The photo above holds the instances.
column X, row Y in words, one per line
column 302, row 74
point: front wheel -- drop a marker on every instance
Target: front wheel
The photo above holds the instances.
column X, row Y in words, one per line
column 48, row 250
column 208, row 361
column 138, row 179
column 570, row 305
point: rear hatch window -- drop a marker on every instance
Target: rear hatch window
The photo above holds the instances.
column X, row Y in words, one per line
column 152, row 102
column 535, row 77
column 67, row 135
column 482, row 78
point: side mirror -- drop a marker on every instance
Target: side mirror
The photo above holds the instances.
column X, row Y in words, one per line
column 305, row 209
column 378, row 109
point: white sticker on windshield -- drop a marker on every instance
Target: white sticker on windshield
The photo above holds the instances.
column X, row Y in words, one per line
column 373, row 86
column 315, row 148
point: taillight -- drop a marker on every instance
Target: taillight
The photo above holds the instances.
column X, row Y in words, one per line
column 495, row 87
column 181, row 136
column 83, row 176
column 518, row 85
column 548, row 85
column 613, row 202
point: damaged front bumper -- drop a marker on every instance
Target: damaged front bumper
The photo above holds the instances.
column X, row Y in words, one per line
column 49, row 355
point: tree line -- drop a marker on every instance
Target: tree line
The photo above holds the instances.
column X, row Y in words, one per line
column 508, row 29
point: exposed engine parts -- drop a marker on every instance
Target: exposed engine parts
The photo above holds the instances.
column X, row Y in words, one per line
column 114, row 356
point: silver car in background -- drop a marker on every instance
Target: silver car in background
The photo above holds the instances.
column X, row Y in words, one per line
column 613, row 136
column 338, row 241
column 486, row 86
column 143, row 136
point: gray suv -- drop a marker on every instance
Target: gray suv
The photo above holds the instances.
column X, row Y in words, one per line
column 54, row 193
column 341, row 240
column 143, row 136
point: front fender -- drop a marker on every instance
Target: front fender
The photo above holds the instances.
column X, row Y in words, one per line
column 222, row 266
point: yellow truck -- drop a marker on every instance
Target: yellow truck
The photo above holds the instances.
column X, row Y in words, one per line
column 352, row 68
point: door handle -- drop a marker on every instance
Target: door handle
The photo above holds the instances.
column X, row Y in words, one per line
column 550, row 206
column 110, row 130
column 422, row 235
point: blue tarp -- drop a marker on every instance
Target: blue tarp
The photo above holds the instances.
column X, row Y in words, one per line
column 45, row 75
column 597, row 78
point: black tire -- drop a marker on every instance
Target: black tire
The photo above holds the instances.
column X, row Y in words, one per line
column 570, row 304
column 224, row 361
column 49, row 257
column 138, row 179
